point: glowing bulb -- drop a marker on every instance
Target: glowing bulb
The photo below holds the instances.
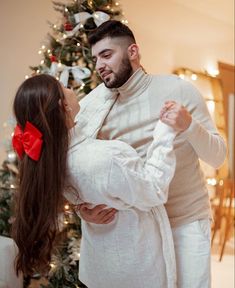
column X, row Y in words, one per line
column 52, row 265
column 57, row 78
column 64, row 36
column 59, row 64
column 194, row 77
column 78, row 44
column 42, row 62
column 66, row 207
column 212, row 71
column 43, row 46
column 39, row 52
column 38, row 71
column 182, row 76
column 108, row 7
column 66, row 9
column 49, row 50
column 26, row 76
column 81, row 26
column 221, row 182
column 211, row 181
column 211, row 106
column 116, row 3
column 55, row 26
column 66, row 222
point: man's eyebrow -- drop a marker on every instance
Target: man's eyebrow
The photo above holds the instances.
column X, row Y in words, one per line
column 94, row 58
column 105, row 50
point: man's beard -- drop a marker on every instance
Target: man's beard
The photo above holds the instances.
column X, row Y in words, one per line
column 121, row 76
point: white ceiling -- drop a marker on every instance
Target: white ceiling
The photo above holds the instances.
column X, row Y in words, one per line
column 222, row 10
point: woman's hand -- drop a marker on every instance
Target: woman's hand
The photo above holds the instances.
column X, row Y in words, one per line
column 176, row 116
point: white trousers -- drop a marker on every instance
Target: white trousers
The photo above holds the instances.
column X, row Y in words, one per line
column 192, row 249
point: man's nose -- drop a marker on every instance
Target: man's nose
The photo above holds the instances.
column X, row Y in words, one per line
column 100, row 65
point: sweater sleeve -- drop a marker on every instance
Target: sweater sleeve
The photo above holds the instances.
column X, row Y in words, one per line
column 202, row 133
column 135, row 183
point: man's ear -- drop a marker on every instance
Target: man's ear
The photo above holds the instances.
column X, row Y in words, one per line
column 133, row 52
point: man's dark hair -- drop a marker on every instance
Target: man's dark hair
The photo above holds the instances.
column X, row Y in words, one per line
column 111, row 29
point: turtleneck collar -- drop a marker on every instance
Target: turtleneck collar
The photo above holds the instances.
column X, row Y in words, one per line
column 135, row 85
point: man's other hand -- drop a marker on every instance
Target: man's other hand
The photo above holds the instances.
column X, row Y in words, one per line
column 97, row 215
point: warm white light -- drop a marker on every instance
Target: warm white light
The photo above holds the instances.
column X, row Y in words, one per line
column 78, row 44
column 42, row 62
column 108, row 7
column 38, row 71
column 49, row 50
column 211, row 106
column 55, row 26
column 52, row 265
column 194, row 77
column 57, row 78
column 221, row 182
column 212, row 71
column 116, row 3
column 26, row 76
column 81, row 26
column 64, row 36
column 59, row 64
column 182, row 76
column 211, row 181
column 66, row 9
column 39, row 52
column 43, row 46
column 66, row 222
column 66, row 207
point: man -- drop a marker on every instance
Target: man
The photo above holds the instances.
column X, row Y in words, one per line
column 132, row 116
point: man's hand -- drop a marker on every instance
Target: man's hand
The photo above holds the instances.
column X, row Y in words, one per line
column 98, row 214
column 175, row 115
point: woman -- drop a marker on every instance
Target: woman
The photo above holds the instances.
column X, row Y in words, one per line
column 55, row 155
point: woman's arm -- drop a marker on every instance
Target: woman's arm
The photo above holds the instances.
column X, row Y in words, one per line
column 131, row 182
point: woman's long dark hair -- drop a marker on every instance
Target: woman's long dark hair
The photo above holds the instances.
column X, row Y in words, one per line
column 40, row 195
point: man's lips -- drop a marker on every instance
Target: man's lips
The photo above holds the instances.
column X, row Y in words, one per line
column 105, row 74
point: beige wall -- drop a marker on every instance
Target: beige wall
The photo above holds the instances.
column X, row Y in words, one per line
column 170, row 34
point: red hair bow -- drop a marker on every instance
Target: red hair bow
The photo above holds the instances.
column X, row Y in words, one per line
column 28, row 141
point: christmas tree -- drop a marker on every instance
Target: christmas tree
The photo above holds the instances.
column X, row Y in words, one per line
column 66, row 53
column 66, row 56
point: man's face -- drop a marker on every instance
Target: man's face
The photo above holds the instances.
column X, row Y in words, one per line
column 112, row 62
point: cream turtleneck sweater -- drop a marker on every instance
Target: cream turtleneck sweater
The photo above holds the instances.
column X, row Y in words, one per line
column 132, row 112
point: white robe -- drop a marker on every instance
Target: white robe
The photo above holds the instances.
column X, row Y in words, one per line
column 136, row 249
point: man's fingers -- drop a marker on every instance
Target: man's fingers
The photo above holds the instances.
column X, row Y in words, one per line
column 105, row 212
column 95, row 210
column 98, row 209
column 108, row 217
